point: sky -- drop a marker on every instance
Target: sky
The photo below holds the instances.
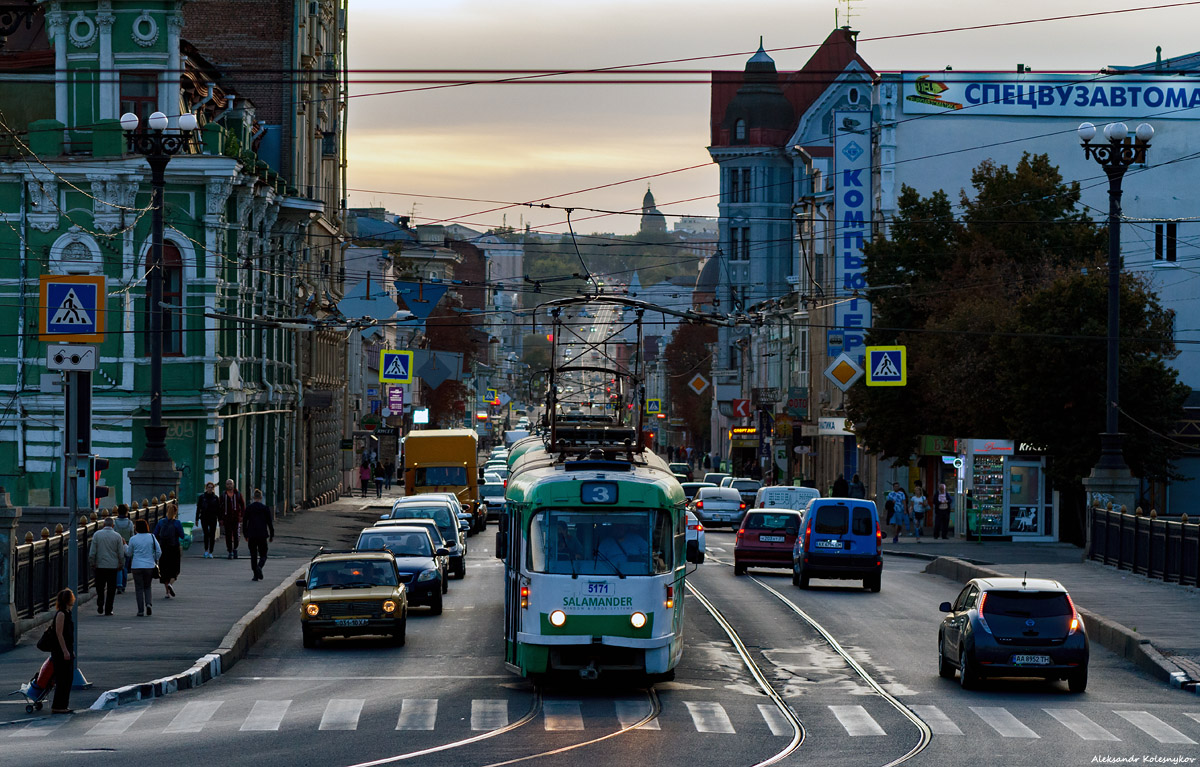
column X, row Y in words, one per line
column 513, row 143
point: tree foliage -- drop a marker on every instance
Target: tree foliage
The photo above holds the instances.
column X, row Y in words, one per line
column 1003, row 310
column 686, row 355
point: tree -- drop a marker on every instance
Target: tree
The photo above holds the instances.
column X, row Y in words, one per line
column 450, row 330
column 686, row 355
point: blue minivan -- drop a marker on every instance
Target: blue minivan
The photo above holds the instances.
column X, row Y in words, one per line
column 839, row 538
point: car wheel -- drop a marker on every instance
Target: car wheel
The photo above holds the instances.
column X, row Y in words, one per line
column 739, row 570
column 968, row 677
column 461, row 571
column 945, row 669
column 310, row 640
column 873, row 582
column 436, row 607
column 795, row 575
column 445, row 583
column 803, row 581
column 1077, row 681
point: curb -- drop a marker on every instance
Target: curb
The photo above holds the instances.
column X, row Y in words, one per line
column 235, row 646
column 1107, row 633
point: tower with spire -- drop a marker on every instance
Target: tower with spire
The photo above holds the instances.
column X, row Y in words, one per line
column 653, row 221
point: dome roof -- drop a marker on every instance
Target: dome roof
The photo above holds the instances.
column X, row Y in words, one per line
column 760, row 102
column 648, row 200
column 709, row 276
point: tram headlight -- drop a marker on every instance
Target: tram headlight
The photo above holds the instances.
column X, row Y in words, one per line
column 558, row 618
column 638, row 620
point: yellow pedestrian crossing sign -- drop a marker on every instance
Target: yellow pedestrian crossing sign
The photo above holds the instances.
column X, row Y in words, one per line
column 492, row 397
column 653, row 406
column 886, row 366
column 395, row 366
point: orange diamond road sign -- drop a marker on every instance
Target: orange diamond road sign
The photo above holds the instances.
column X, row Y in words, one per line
column 843, row 371
column 698, row 384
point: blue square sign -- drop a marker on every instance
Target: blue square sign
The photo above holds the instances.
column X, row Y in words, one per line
column 886, row 366
column 72, row 308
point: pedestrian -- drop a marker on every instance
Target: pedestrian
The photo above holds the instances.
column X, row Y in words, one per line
column 364, row 477
column 377, row 470
column 143, row 551
column 388, row 471
column 919, row 504
column 62, row 652
column 840, row 489
column 857, row 488
column 707, row 461
column 124, row 527
column 899, row 517
column 232, row 506
column 208, row 511
column 259, row 526
column 943, row 504
column 169, row 533
column 106, row 555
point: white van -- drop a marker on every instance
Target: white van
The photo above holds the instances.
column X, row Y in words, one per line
column 785, row 497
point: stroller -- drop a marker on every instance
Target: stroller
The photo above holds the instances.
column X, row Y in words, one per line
column 38, row 688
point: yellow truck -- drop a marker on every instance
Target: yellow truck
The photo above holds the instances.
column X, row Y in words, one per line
column 444, row 460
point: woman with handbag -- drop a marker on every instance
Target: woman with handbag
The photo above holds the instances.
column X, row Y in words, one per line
column 62, row 642
column 143, row 552
column 169, row 532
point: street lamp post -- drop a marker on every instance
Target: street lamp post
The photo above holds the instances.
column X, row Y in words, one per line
column 155, row 473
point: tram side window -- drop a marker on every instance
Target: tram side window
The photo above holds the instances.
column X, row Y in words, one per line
column 583, row 543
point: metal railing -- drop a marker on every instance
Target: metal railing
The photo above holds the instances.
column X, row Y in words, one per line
column 1165, row 549
column 40, row 568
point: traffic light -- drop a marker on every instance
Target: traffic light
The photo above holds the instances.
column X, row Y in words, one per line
column 98, row 490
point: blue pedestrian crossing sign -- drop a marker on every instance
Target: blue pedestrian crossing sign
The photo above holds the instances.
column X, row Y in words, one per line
column 395, row 366
column 886, row 366
column 653, row 406
column 71, row 308
column 492, row 397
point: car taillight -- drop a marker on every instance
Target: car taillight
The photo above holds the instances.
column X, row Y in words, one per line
column 1075, row 619
column 807, row 535
column 741, row 531
column 696, row 526
column 741, row 506
column 983, row 620
column 878, row 539
column 699, row 504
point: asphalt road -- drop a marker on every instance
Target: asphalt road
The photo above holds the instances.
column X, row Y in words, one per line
column 446, row 699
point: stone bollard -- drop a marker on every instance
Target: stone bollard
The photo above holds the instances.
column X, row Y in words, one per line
column 9, row 515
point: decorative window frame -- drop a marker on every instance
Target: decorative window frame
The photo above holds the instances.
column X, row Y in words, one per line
column 64, row 252
column 82, row 39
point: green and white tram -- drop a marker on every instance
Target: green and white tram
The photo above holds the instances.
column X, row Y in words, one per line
column 593, row 540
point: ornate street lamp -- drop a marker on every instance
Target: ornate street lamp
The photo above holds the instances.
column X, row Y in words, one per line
column 1115, row 155
column 158, row 147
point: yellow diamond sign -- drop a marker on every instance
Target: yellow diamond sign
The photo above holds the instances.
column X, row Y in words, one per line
column 843, row 371
column 698, row 383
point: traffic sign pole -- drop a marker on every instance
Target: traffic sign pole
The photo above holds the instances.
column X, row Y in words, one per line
column 78, row 391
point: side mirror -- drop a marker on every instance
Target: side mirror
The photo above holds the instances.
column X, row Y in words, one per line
column 945, row 607
column 302, row 583
column 385, row 516
column 694, row 555
column 442, row 552
column 464, row 527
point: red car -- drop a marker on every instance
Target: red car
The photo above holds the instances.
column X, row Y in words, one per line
column 765, row 539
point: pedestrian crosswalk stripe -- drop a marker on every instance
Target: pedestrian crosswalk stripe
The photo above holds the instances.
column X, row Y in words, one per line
column 342, row 714
column 417, row 714
column 710, row 717
column 562, row 715
column 116, row 722
column 266, row 716
column 939, row 723
column 194, row 716
column 489, row 714
column 778, row 723
column 1154, row 727
column 856, row 721
column 630, row 712
column 1079, row 724
column 40, row 728
column 1192, row 716
column 1003, row 722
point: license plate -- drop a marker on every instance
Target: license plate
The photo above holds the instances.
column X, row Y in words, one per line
column 720, row 517
column 1031, row 660
column 829, row 544
column 772, row 538
column 350, row 622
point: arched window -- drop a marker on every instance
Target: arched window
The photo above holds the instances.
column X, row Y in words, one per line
column 739, row 130
column 172, row 299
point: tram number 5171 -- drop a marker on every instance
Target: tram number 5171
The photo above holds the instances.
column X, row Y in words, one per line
column 597, row 587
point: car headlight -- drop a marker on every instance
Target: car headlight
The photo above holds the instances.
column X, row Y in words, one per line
column 311, row 609
column 389, row 606
column 427, row 575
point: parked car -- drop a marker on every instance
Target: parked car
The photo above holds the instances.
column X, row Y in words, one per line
column 1024, row 627
column 681, row 468
column 718, row 505
column 435, row 535
column 352, row 594
column 417, row 561
column 714, row 477
column 694, row 541
column 841, row 538
column 491, row 495
column 765, row 539
column 784, row 497
column 690, row 488
column 440, row 511
column 748, row 488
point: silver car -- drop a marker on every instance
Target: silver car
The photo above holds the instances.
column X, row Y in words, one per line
column 718, row 506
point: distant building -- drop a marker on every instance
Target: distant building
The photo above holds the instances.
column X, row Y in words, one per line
column 653, row 221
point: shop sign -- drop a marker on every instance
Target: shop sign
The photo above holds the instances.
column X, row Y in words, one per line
column 930, row 445
column 797, row 402
column 809, row 430
column 783, row 428
column 990, row 446
column 852, row 158
column 833, row 427
column 1029, row 448
column 744, row 436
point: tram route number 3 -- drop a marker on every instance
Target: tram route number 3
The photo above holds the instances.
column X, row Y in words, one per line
column 597, row 587
column 598, row 492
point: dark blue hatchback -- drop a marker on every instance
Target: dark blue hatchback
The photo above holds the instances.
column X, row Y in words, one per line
column 839, row 538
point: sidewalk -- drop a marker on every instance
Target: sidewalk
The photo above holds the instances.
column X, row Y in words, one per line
column 1166, row 614
column 213, row 596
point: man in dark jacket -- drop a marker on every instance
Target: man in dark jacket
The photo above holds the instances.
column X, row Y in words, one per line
column 208, row 511
column 258, row 523
column 232, row 506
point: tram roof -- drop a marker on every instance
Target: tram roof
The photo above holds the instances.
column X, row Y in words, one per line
column 538, row 477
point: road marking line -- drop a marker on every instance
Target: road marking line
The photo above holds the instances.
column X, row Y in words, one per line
column 342, row 714
column 265, row 716
column 1078, row 723
column 417, row 714
column 1003, row 722
column 856, row 720
column 562, row 715
column 631, row 712
column 1154, row 727
column 489, row 714
column 775, row 719
column 710, row 717
column 116, row 722
column 939, row 723
column 40, row 728
column 1193, row 716
column 194, row 716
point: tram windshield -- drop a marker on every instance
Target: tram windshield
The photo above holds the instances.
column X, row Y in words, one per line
column 586, row 543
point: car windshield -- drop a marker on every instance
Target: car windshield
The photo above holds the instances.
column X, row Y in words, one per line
column 1027, row 604
column 608, row 543
column 718, row 494
column 788, row 523
column 746, row 484
column 351, row 574
column 439, row 514
column 492, row 491
column 440, row 476
column 402, row 543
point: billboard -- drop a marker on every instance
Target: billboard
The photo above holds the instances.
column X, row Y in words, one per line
column 852, row 162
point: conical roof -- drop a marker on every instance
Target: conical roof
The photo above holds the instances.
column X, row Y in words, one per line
column 760, row 102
